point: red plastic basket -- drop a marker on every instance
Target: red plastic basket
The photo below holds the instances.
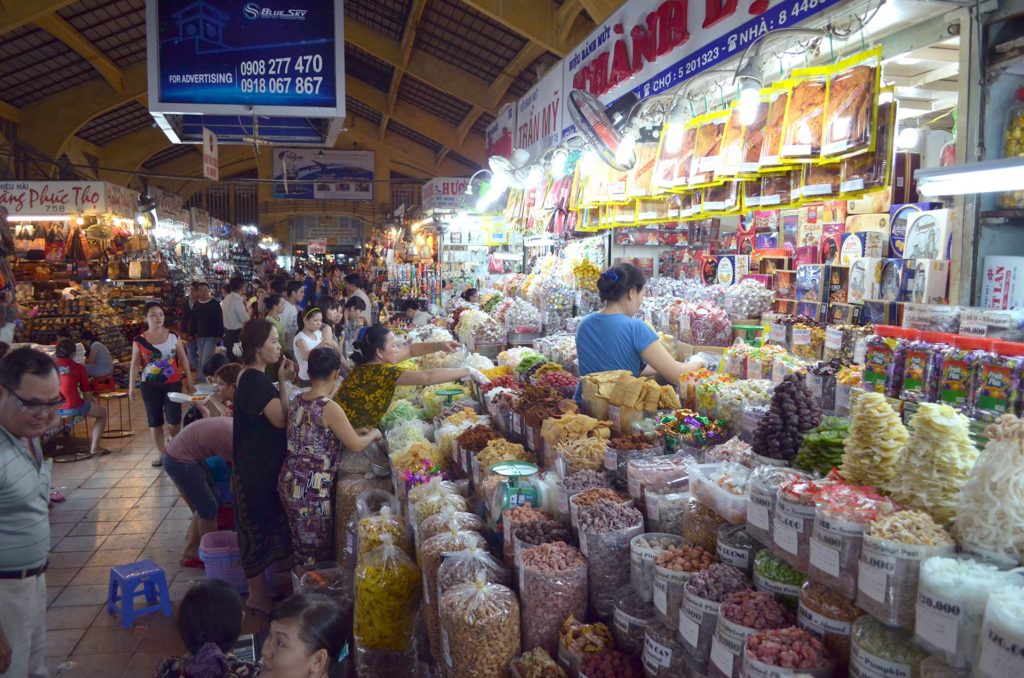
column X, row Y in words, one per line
column 223, row 560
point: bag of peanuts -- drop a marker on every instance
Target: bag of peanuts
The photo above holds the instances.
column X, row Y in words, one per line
column 431, row 555
column 463, row 566
column 605, row 532
column 479, row 629
column 371, row 502
column 387, row 600
column 439, row 522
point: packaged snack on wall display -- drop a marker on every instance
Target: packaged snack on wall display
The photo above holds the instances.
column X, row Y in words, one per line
column 852, row 104
column 773, row 127
column 805, row 115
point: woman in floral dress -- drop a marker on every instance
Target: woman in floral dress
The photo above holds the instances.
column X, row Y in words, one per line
column 318, row 432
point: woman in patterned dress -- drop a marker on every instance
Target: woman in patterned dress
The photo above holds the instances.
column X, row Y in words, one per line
column 368, row 389
column 318, row 431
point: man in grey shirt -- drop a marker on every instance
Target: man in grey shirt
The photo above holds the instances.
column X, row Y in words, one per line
column 29, row 398
column 98, row 361
column 235, row 313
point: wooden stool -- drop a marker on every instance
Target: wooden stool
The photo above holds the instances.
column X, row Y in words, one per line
column 120, row 432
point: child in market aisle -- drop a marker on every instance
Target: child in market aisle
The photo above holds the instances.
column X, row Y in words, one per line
column 209, row 622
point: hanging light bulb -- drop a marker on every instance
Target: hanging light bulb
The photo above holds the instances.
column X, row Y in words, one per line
column 624, row 153
column 909, row 137
column 749, row 78
column 80, row 220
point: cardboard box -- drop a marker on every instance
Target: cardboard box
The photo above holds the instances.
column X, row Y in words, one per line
column 863, row 284
column 809, row 282
column 844, row 314
column 876, row 223
column 812, row 309
column 789, row 224
column 859, row 245
column 898, row 217
column 930, row 281
column 836, row 284
column 768, row 265
column 747, row 243
column 709, row 270
column 870, row 203
column 732, row 267
column 904, row 186
column 787, row 306
column 929, row 235
column 765, row 280
column 876, row 312
column 807, row 254
column 785, row 284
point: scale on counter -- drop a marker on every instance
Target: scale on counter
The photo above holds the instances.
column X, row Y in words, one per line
column 450, row 393
column 514, row 491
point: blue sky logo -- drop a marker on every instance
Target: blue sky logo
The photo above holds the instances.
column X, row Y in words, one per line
column 253, row 11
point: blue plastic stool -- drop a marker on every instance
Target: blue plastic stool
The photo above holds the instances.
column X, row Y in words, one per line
column 128, row 578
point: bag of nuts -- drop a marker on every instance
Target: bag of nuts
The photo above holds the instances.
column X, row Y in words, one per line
column 605, row 532
column 387, row 600
column 553, row 585
column 431, row 556
column 479, row 629
column 463, row 567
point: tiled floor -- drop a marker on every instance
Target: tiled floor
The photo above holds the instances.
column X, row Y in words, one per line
column 119, row 509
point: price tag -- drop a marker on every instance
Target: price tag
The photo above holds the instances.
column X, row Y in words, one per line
column 825, row 558
column 872, row 581
column 801, row 336
column 689, row 630
column 866, row 665
column 777, row 333
column 757, row 513
column 1001, row 655
column 833, row 339
column 737, row 556
column 656, row 655
column 816, row 384
column 661, row 595
column 786, row 537
column 623, row 621
column 611, row 459
column 937, row 619
column 820, row 624
column 721, row 656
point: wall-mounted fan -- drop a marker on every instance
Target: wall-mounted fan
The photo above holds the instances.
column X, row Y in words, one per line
column 599, row 129
column 510, row 171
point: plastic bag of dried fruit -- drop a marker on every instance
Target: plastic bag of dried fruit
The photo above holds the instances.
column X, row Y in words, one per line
column 479, row 628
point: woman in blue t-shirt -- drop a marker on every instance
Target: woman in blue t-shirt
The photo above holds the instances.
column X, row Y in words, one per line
column 612, row 339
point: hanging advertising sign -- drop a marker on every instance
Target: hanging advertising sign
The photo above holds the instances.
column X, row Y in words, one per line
column 211, row 160
column 494, row 227
column 121, row 202
column 170, row 207
column 651, row 46
column 317, row 245
column 539, row 114
column 324, row 175
column 444, row 193
column 232, row 57
column 41, row 198
column 501, row 131
column 200, row 220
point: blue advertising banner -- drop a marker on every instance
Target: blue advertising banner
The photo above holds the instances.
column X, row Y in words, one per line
column 224, row 56
column 318, row 174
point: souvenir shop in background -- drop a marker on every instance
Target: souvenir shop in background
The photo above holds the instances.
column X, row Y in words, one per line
column 125, row 250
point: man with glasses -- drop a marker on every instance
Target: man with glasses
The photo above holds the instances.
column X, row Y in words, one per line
column 29, row 399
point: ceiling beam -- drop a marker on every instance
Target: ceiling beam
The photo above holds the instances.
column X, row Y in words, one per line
column 9, row 112
column 599, row 10
column 17, row 13
column 539, row 24
column 948, row 56
column 949, row 71
column 80, row 145
column 66, row 33
column 408, row 38
column 427, row 67
column 416, row 118
column 911, row 82
column 527, row 55
column 50, row 123
column 131, row 151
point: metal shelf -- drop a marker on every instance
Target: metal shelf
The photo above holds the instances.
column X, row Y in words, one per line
column 992, row 217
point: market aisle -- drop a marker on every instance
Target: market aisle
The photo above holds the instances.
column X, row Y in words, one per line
column 119, row 509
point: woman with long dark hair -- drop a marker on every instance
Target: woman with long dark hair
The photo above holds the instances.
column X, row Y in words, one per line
column 308, row 638
column 261, row 416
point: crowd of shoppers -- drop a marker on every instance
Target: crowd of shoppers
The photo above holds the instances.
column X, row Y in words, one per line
column 284, row 447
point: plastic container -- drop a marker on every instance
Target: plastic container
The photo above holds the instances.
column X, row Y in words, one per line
column 223, row 559
column 643, row 549
column 705, row 486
